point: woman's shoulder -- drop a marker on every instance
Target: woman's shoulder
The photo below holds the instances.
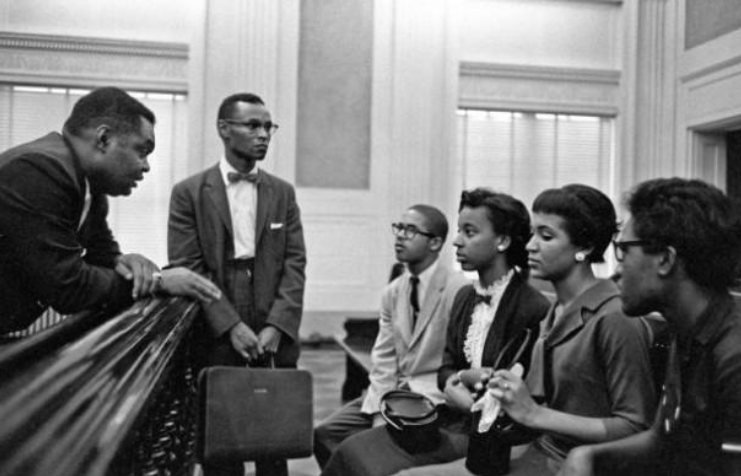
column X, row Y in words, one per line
column 612, row 319
column 529, row 293
column 465, row 292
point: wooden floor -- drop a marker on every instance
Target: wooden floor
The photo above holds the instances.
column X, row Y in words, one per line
column 327, row 366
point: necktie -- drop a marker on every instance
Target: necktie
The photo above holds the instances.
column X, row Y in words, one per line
column 414, row 298
column 237, row 176
column 479, row 298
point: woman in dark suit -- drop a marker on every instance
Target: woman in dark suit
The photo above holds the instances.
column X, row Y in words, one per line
column 493, row 229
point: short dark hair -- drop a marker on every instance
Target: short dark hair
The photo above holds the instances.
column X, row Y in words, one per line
column 589, row 216
column 435, row 220
column 227, row 105
column 108, row 105
column 695, row 218
column 508, row 216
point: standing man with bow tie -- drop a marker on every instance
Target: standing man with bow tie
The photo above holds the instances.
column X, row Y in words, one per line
column 241, row 227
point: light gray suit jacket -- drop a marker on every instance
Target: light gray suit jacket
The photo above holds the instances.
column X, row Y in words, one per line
column 412, row 356
column 200, row 238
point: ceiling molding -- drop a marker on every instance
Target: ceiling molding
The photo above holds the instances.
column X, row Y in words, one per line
column 537, row 88
column 90, row 62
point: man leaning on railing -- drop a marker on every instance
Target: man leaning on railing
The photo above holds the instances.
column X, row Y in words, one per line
column 56, row 249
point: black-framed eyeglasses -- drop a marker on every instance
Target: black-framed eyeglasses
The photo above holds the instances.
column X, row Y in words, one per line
column 621, row 247
column 252, row 127
column 408, row 231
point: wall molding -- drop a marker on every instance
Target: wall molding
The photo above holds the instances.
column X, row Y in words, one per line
column 711, row 69
column 90, row 62
column 539, row 88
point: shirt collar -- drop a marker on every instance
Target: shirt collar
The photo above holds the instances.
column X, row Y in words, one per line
column 426, row 276
column 500, row 283
column 594, row 297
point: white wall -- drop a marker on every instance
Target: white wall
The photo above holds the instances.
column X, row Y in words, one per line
column 563, row 33
column 150, row 20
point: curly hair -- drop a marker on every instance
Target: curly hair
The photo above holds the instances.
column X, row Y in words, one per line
column 695, row 218
column 108, row 105
column 508, row 216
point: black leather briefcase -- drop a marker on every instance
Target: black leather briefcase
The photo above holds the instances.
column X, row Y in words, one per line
column 247, row 414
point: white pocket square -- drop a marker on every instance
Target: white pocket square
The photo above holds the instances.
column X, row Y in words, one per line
column 276, row 226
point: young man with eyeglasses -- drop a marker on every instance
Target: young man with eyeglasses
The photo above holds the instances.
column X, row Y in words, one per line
column 415, row 309
column 678, row 255
column 241, row 226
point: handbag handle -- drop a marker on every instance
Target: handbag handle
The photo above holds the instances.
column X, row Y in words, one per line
column 523, row 345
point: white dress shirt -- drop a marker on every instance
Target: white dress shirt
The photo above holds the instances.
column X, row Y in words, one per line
column 242, row 197
column 86, row 205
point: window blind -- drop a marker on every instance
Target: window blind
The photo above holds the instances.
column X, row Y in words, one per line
column 523, row 153
column 139, row 221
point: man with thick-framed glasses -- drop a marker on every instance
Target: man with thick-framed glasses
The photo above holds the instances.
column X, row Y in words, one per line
column 678, row 255
column 241, row 226
column 415, row 309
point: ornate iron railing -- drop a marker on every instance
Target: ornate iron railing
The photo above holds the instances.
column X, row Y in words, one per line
column 102, row 396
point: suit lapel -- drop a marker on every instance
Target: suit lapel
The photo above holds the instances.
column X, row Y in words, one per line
column 215, row 190
column 581, row 310
column 264, row 199
column 569, row 323
column 433, row 296
column 501, row 329
column 404, row 309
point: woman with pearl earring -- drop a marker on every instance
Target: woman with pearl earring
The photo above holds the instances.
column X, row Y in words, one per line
column 590, row 377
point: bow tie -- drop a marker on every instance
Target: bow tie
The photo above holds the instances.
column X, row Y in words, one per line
column 479, row 298
column 234, row 177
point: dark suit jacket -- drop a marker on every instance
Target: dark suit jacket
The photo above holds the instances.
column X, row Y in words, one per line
column 200, row 238
column 44, row 259
column 521, row 307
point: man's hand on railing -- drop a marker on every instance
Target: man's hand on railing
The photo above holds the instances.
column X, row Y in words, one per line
column 184, row 282
column 138, row 269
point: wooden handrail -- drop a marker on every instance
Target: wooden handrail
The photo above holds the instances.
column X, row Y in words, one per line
column 86, row 406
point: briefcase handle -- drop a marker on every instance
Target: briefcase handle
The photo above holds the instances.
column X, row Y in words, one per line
column 267, row 358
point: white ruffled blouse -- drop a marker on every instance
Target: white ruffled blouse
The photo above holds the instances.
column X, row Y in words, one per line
column 482, row 318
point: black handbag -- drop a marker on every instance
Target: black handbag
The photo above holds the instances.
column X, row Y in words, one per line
column 246, row 414
column 411, row 419
column 489, row 452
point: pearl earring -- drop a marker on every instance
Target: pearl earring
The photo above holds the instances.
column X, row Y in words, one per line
column 500, row 248
column 580, row 256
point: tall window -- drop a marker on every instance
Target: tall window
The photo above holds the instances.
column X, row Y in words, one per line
column 139, row 221
column 523, row 153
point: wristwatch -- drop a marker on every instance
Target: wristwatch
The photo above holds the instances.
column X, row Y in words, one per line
column 157, row 278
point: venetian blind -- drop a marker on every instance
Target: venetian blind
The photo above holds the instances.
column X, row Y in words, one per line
column 139, row 221
column 523, row 153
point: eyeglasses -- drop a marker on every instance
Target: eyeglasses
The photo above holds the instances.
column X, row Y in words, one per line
column 408, row 232
column 253, row 127
column 621, row 247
